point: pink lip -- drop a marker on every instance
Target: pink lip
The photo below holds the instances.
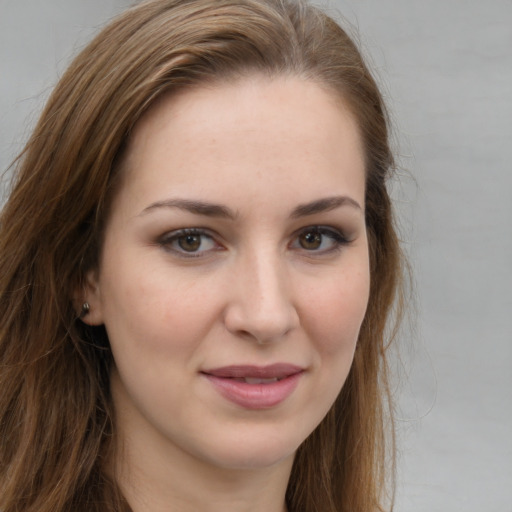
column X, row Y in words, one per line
column 255, row 396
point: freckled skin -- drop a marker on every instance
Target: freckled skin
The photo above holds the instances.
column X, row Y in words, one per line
column 252, row 294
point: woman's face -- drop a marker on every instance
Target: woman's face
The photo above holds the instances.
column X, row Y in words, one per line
column 234, row 274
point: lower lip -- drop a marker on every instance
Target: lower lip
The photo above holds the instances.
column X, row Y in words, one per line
column 255, row 396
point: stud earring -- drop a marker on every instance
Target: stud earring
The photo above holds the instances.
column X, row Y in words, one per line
column 85, row 309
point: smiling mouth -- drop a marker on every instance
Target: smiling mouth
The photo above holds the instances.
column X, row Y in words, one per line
column 255, row 380
column 255, row 374
column 255, row 387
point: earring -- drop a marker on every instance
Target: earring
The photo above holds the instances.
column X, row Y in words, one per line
column 85, row 309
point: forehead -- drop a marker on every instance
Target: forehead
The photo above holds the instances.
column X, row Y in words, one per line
column 279, row 131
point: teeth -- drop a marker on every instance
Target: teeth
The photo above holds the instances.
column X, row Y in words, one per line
column 252, row 380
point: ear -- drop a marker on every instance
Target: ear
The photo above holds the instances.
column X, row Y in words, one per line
column 90, row 293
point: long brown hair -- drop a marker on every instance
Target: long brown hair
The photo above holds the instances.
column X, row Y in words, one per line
column 56, row 412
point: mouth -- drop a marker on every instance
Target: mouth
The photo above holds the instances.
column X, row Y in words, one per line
column 255, row 387
column 255, row 380
column 255, row 374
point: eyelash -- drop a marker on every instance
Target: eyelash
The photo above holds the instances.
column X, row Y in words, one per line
column 335, row 236
column 174, row 237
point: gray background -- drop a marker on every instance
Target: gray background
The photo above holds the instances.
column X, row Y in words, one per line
column 446, row 70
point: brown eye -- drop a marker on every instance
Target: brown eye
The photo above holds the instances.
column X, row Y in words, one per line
column 189, row 243
column 310, row 240
column 319, row 240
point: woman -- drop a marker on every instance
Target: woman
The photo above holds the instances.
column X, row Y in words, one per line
column 198, row 262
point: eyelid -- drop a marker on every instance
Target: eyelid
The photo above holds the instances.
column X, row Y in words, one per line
column 336, row 235
column 170, row 237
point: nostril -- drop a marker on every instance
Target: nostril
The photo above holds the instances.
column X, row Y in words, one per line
column 259, row 327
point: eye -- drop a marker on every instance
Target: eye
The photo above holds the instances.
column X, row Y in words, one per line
column 319, row 239
column 189, row 242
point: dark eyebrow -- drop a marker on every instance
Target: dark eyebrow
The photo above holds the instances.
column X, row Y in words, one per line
column 324, row 205
column 197, row 207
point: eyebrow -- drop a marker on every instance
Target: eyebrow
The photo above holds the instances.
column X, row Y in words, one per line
column 216, row 210
column 324, row 205
column 196, row 207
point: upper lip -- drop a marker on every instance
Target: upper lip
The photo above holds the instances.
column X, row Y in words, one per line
column 278, row 370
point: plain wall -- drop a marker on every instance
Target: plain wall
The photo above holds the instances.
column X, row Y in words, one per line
column 446, row 70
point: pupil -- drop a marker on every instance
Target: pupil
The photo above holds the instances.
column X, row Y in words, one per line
column 311, row 240
column 190, row 242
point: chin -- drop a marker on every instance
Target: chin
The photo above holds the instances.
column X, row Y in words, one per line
column 245, row 453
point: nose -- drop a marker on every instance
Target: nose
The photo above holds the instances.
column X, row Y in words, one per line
column 261, row 306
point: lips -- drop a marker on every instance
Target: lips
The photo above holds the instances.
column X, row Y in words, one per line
column 255, row 387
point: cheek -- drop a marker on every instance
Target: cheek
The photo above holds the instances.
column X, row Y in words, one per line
column 336, row 312
column 152, row 310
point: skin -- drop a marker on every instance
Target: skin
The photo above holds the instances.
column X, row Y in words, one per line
column 262, row 285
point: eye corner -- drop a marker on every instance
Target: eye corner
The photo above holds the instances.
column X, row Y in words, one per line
column 190, row 243
column 319, row 240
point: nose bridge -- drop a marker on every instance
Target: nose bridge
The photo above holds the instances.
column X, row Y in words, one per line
column 262, row 305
